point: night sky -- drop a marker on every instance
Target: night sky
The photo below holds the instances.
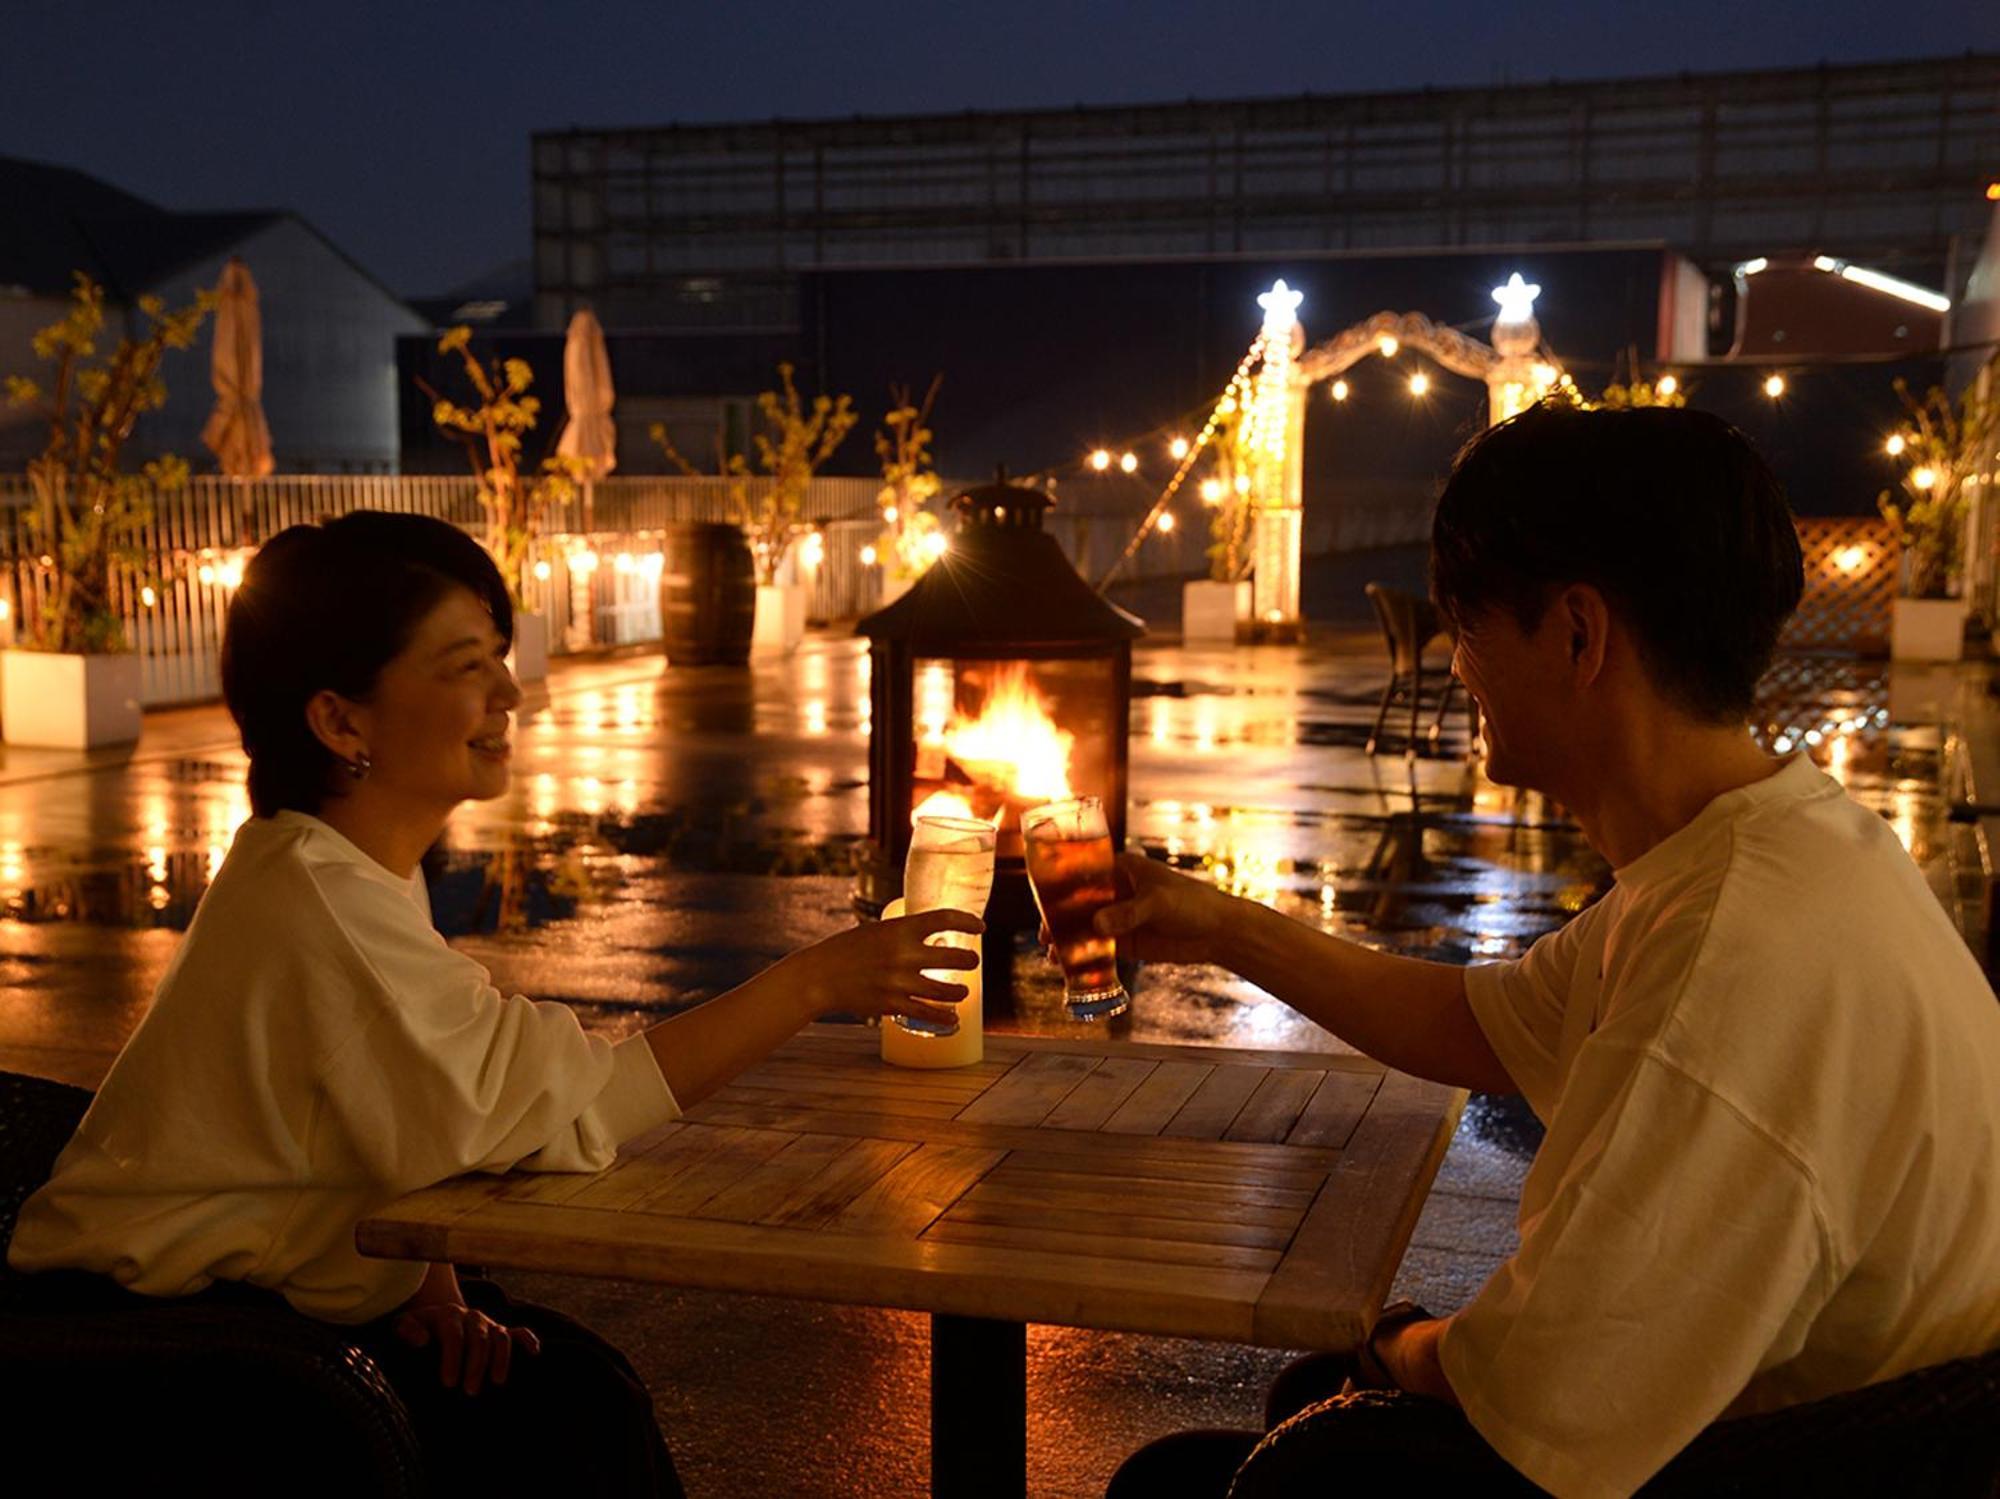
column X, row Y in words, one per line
column 401, row 130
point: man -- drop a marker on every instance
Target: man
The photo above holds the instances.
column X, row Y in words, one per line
column 1767, row 1064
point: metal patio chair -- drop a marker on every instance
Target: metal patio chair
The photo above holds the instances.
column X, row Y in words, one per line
column 231, row 1387
column 1409, row 623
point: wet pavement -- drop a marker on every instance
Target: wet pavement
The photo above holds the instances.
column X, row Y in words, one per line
column 670, row 832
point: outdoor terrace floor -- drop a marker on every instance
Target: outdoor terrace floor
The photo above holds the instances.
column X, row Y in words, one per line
column 671, row 831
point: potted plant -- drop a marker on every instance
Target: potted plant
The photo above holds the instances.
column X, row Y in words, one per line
column 912, row 537
column 1941, row 442
column 1217, row 610
column 516, row 506
column 797, row 439
column 72, row 680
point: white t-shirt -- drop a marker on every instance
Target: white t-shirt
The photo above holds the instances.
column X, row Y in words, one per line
column 314, row 1052
column 1770, row 1071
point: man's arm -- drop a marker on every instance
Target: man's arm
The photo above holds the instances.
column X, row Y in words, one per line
column 1408, row 1013
column 1409, row 1355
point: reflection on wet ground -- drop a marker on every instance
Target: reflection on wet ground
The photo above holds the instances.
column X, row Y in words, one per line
column 670, row 832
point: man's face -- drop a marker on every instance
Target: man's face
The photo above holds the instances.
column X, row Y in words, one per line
column 1521, row 680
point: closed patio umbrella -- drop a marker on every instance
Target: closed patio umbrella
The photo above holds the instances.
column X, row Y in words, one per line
column 589, row 434
column 236, row 431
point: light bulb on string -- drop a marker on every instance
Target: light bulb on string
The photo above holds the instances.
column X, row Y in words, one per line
column 1389, row 344
column 1100, row 460
column 1212, row 491
column 1129, row 464
column 1774, row 386
column 1340, row 390
column 1667, row 385
column 1923, row 478
column 1895, row 445
column 1420, row 384
column 1166, row 522
column 1177, row 449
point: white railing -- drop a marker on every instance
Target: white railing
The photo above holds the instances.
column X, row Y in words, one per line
column 201, row 536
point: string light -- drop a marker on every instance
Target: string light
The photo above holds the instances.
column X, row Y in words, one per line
column 1389, row 345
column 1100, row 460
column 205, row 575
column 1923, row 478
column 936, row 544
column 147, row 598
column 1212, row 491
column 1667, row 385
column 583, row 564
column 1774, row 386
column 868, row 556
column 6, row 610
column 1129, row 463
column 230, row 574
column 812, row 551
column 1177, row 449
column 1340, row 390
column 1243, row 484
column 543, row 572
column 1894, row 446
column 890, row 514
column 1166, row 521
column 1516, row 299
column 622, row 562
column 1419, row 384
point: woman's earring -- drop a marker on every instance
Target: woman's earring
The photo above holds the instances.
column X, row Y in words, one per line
column 360, row 765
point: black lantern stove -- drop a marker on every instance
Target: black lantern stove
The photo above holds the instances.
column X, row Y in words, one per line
column 1000, row 624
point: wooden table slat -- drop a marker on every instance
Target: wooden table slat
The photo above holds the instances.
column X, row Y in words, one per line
column 1117, row 1222
column 1106, row 1182
column 1100, row 1095
column 911, row 1195
column 1105, row 1246
column 1216, row 1103
column 1035, row 1085
column 844, row 1178
column 1275, row 1107
column 1185, row 1209
column 1159, row 1098
column 759, row 1192
column 1336, row 1107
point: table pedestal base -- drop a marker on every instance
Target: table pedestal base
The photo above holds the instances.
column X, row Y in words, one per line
column 979, row 1408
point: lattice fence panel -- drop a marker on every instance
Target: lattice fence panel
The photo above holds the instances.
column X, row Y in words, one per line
column 1852, row 564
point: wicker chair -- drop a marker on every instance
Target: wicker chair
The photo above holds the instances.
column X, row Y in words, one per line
column 1935, row 1432
column 232, row 1390
column 1410, row 623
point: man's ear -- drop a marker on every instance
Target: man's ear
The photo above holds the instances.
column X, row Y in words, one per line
column 1587, row 621
column 335, row 723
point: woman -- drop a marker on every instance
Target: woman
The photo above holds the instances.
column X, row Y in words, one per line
column 315, row 1050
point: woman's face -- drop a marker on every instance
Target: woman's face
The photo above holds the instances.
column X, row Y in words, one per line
column 436, row 726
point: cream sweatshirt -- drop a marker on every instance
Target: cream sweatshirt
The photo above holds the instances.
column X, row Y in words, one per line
column 315, row 1051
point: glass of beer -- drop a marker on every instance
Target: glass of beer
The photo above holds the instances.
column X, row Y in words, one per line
column 950, row 868
column 1069, row 865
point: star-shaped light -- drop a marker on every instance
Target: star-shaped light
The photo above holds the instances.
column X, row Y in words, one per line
column 1516, row 299
column 1281, row 307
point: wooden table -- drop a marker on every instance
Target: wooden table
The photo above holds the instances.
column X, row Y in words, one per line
column 1251, row 1197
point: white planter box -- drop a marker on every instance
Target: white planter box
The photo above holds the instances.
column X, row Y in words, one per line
column 69, row 702
column 1927, row 629
column 529, row 659
column 781, row 616
column 1213, row 613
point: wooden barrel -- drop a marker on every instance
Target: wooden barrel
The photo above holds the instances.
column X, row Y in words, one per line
column 708, row 595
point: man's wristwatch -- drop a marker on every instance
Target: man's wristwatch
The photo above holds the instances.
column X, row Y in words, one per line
column 1373, row 1373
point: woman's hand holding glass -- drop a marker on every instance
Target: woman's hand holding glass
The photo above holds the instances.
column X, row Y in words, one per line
column 877, row 968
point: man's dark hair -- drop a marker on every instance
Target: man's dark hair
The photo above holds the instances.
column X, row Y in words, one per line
column 327, row 607
column 1669, row 513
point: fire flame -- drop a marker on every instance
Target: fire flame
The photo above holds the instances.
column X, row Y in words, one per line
column 1013, row 745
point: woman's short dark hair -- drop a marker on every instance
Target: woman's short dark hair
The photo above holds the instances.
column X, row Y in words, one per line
column 327, row 607
column 1669, row 513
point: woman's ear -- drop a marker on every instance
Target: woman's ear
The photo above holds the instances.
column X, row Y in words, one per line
column 335, row 723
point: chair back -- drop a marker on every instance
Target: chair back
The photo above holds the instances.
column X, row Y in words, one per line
column 1409, row 623
column 37, row 1118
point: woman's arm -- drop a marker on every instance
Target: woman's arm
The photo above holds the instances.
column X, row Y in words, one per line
column 873, row 969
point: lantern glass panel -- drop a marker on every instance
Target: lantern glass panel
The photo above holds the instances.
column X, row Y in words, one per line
column 1005, row 735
